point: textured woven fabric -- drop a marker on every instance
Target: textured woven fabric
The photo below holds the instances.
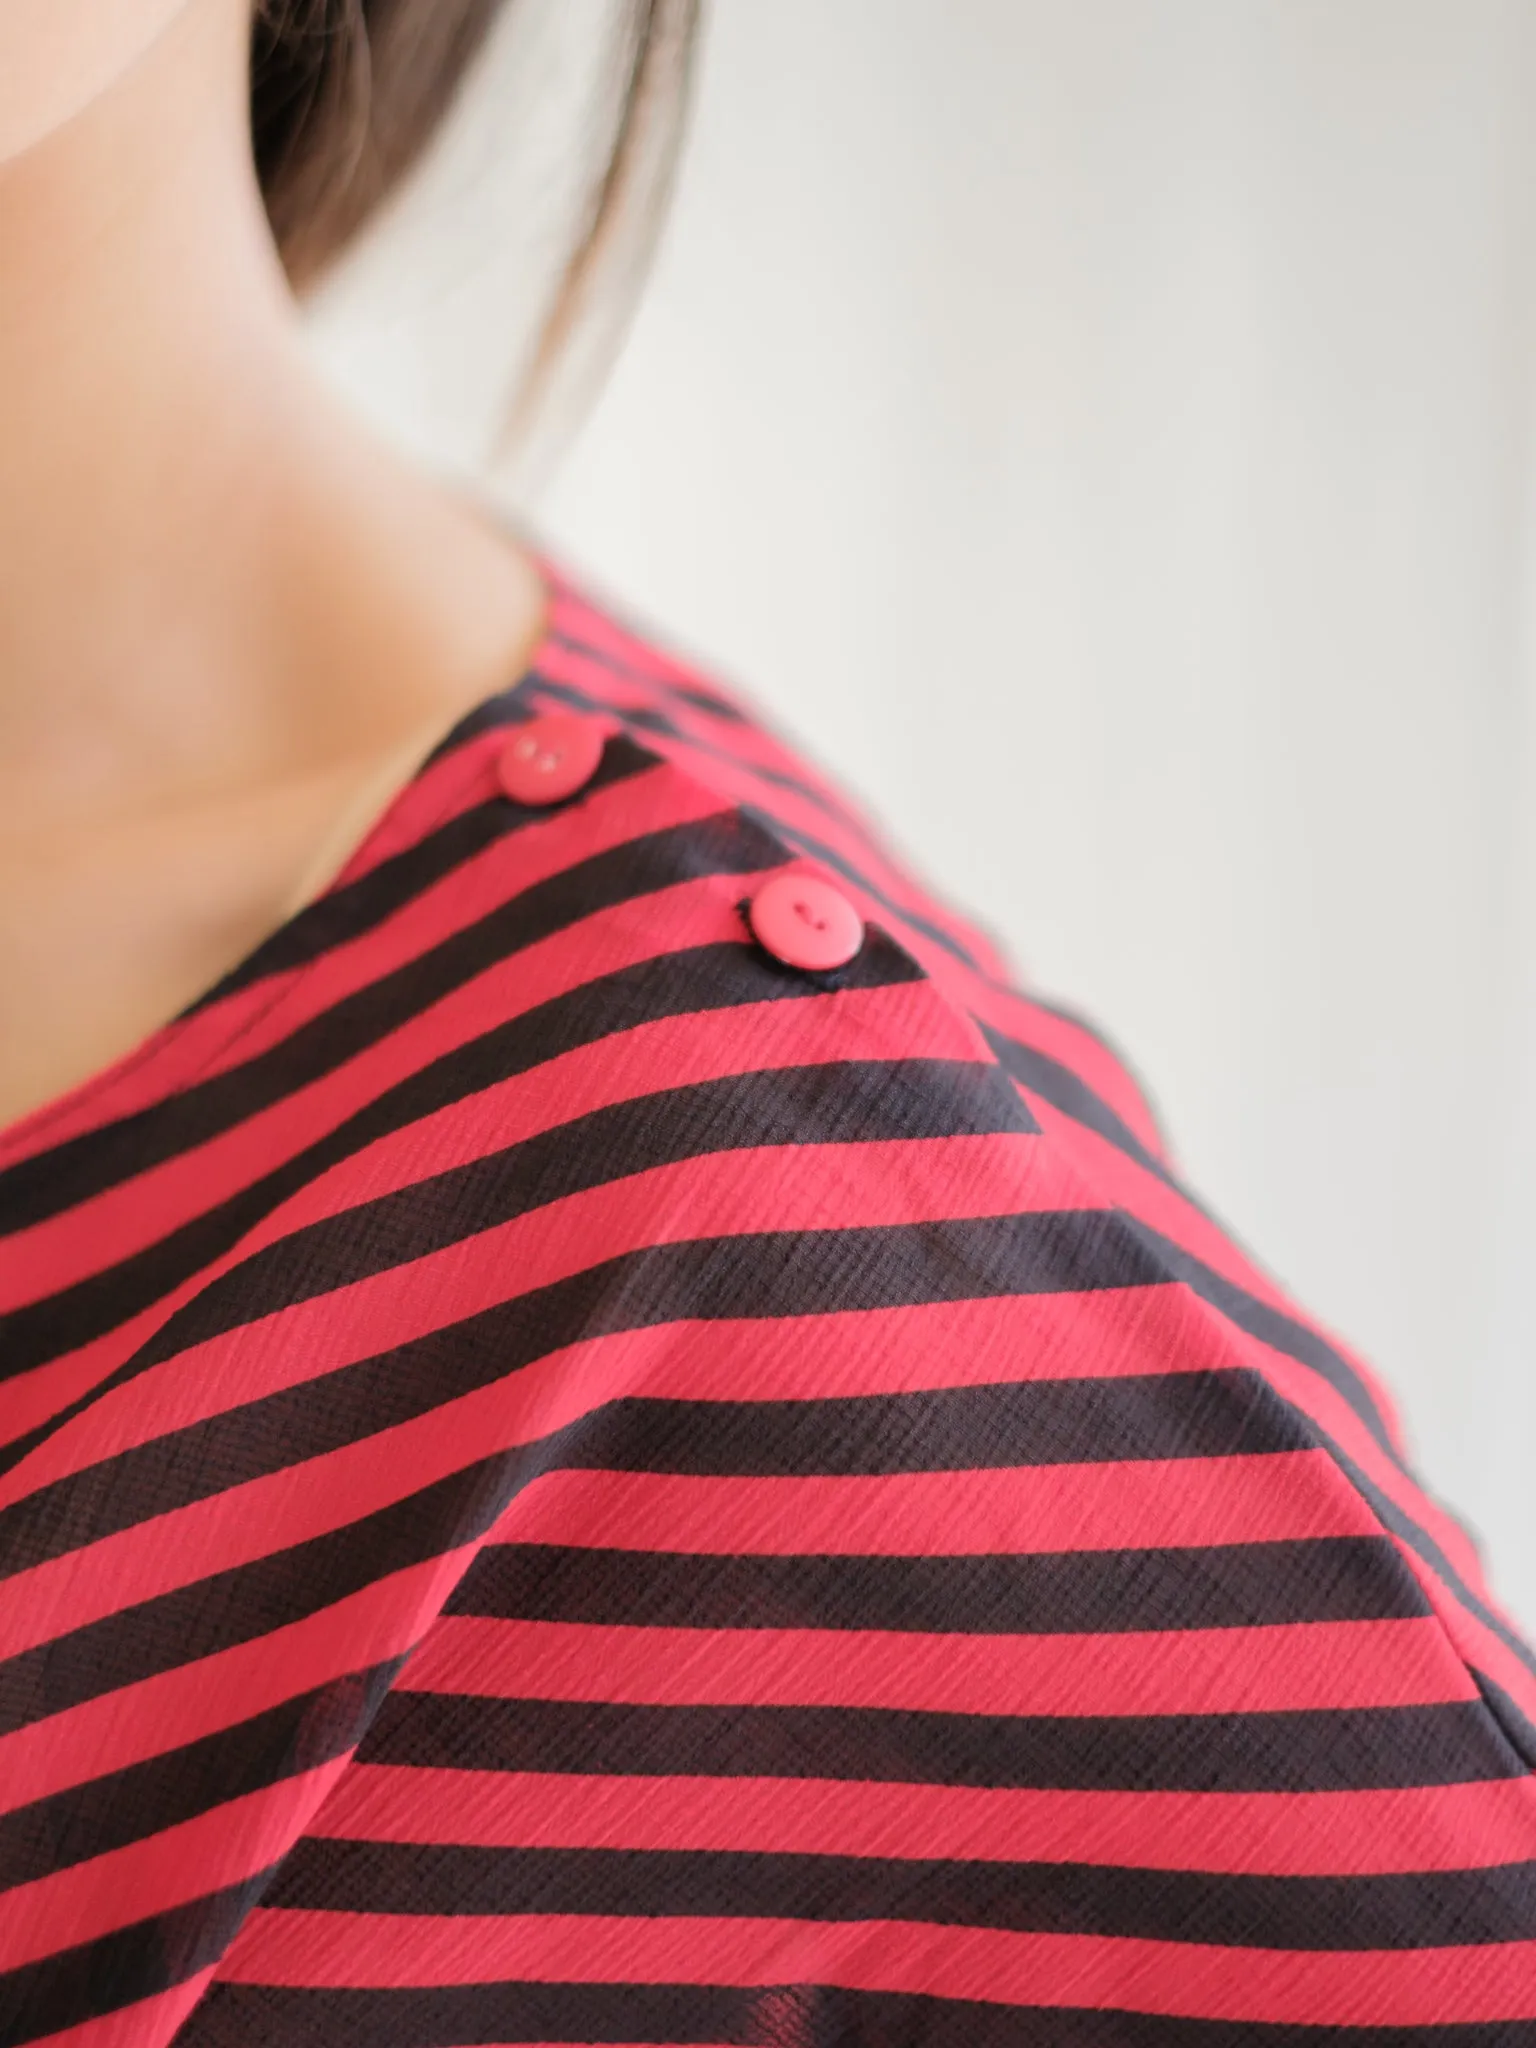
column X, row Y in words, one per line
column 564, row 1481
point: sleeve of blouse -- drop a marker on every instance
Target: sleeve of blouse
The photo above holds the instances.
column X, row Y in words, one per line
column 915, row 1597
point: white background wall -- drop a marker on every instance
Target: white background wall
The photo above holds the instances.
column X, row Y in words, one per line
column 1100, row 429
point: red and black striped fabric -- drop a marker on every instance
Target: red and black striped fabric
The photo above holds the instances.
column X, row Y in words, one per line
column 564, row 1481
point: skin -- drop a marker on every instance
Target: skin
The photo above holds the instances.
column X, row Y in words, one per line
column 231, row 623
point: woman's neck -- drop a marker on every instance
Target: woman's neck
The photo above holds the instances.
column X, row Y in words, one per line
column 229, row 622
column 209, row 578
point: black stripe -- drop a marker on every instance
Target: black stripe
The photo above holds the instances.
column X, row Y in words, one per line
column 818, row 850
column 658, row 725
column 137, row 1962
column 661, row 725
column 345, row 913
column 1271, row 1326
column 1099, row 1037
column 1517, row 1726
column 773, row 2016
column 1415, row 1910
column 948, row 1429
column 963, row 1429
column 789, row 1273
column 1298, row 1340
column 703, row 700
column 770, row 2016
column 252, row 1600
column 1398, row 1522
column 653, row 723
column 141, row 1799
column 1322, row 1750
column 1069, row 1092
column 509, row 707
column 716, row 977
column 844, row 1102
column 69, row 1173
column 1347, row 1578
column 642, row 671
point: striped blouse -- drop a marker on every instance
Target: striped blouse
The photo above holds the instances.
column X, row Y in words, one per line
column 567, row 1479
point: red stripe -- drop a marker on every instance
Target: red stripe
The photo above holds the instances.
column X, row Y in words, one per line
column 1017, row 1511
column 827, row 823
column 780, row 1188
column 1290, row 1494
column 34, row 1398
column 189, row 1049
column 1413, row 1987
column 1119, row 1180
column 443, row 786
column 746, row 747
column 1473, row 1639
column 610, row 818
column 747, row 753
column 1108, row 1334
column 95, row 1232
column 632, row 676
column 1277, row 1834
column 176, row 1707
column 749, row 746
column 1112, row 1333
column 904, row 1021
column 582, row 620
column 303, row 1501
column 1299, row 1382
column 893, row 1019
column 1076, row 1048
column 1107, row 1506
column 1310, row 1392
column 1122, row 1182
column 225, row 1846
column 944, row 1344
column 1291, row 1667
column 147, row 2023
column 441, row 790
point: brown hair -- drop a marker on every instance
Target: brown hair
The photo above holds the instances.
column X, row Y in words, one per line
column 347, row 94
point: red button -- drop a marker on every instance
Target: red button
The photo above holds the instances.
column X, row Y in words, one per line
column 805, row 922
column 550, row 758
